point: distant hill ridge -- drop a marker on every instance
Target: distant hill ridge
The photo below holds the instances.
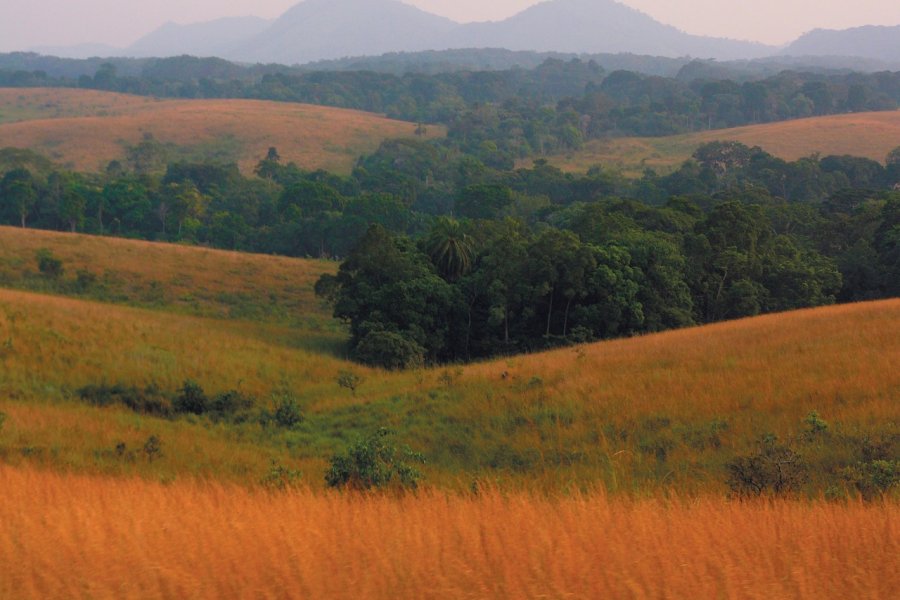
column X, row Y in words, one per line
column 333, row 29
column 880, row 43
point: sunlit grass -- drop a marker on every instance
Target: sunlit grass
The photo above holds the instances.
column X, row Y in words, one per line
column 99, row 538
column 85, row 129
column 872, row 135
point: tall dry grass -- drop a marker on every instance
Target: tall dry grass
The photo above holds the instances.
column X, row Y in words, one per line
column 186, row 278
column 65, row 536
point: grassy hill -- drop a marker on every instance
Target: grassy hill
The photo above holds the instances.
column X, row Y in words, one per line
column 872, row 135
column 85, row 129
column 634, row 414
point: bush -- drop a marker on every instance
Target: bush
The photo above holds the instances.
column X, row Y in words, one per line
column 286, row 413
column 349, row 380
column 149, row 400
column 873, row 479
column 49, row 265
column 389, row 350
column 232, row 406
column 280, row 478
column 374, row 463
column 774, row 469
column 153, row 448
column 191, row 399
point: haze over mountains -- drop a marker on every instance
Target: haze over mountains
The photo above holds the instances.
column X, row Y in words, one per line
column 315, row 30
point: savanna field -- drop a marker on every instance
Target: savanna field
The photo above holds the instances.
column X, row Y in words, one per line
column 603, row 470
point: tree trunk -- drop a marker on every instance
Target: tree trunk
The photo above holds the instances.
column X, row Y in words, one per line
column 23, row 220
column 550, row 311
column 566, row 319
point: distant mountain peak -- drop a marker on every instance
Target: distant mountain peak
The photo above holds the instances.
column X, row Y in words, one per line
column 315, row 30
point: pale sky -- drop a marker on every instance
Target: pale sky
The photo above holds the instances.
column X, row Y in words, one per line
column 28, row 23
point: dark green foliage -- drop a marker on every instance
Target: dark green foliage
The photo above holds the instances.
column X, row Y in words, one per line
column 873, row 479
column 374, row 462
column 286, row 412
column 149, row 400
column 191, row 399
column 231, row 406
column 774, row 469
column 49, row 265
column 388, row 350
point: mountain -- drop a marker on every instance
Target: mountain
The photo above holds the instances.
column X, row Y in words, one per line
column 329, row 29
column 879, row 43
column 316, row 30
column 212, row 38
column 597, row 26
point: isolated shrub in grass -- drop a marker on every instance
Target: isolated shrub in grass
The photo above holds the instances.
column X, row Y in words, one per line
column 349, row 380
column 280, row 478
column 191, row 399
column 373, row 462
column 773, row 469
column 286, row 412
column 389, row 350
column 49, row 265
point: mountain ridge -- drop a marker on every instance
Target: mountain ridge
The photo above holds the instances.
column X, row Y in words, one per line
column 316, row 30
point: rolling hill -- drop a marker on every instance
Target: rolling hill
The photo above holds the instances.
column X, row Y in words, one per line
column 872, row 135
column 84, row 130
column 630, row 415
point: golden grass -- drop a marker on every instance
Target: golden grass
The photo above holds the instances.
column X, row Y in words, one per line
column 190, row 278
column 64, row 536
column 84, row 130
column 760, row 375
column 872, row 135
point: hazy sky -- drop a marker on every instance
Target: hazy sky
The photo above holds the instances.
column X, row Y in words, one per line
column 29, row 23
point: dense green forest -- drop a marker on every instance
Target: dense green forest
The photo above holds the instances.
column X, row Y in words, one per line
column 449, row 257
column 452, row 253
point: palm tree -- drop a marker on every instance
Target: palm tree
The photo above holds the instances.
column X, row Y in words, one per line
column 451, row 250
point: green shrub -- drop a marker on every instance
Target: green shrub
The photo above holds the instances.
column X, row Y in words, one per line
column 49, row 265
column 389, row 350
column 149, row 400
column 773, row 469
column 286, row 412
column 231, row 406
column 374, row 463
column 191, row 399
column 873, row 479
column 85, row 281
column 349, row 380
column 280, row 478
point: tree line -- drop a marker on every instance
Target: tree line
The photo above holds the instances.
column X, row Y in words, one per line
column 553, row 107
column 449, row 258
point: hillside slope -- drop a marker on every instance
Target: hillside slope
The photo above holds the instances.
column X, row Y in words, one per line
column 84, row 130
column 631, row 414
column 872, row 135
